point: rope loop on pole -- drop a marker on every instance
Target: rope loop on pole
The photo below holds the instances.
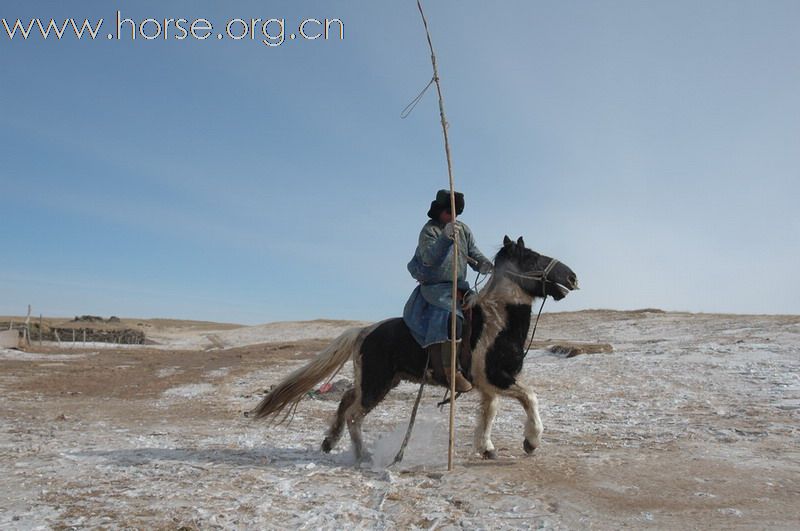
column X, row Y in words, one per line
column 410, row 107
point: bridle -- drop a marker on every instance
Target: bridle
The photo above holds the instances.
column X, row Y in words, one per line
column 540, row 275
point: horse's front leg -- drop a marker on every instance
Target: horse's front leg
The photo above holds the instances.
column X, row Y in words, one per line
column 533, row 426
column 483, row 429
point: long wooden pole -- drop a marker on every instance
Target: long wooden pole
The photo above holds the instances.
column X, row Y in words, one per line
column 454, row 310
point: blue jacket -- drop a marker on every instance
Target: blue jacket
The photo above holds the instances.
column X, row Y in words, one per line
column 427, row 311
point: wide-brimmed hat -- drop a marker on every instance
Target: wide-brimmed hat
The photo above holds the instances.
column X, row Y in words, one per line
column 442, row 203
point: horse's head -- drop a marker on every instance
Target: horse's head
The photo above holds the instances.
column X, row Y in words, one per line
column 536, row 274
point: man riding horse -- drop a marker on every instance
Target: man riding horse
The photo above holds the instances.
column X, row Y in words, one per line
column 391, row 351
column 428, row 310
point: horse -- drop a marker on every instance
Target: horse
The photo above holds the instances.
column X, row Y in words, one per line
column 386, row 353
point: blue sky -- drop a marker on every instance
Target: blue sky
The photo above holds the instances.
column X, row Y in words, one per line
column 652, row 146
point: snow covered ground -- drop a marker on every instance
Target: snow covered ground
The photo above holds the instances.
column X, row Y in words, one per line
column 692, row 422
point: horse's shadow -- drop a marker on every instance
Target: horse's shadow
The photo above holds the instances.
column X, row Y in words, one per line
column 258, row 458
column 271, row 457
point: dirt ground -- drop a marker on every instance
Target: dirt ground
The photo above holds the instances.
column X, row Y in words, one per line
column 691, row 422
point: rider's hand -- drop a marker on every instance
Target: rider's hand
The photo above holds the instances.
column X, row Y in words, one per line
column 451, row 230
column 469, row 297
column 485, row 268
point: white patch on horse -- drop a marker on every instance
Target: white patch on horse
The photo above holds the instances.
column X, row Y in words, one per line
column 493, row 301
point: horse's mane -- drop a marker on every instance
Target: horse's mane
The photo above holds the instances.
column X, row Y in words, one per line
column 500, row 288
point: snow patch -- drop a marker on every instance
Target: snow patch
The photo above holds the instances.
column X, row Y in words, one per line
column 18, row 355
column 218, row 373
column 168, row 371
column 190, row 390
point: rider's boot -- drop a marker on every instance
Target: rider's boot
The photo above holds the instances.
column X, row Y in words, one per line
column 462, row 384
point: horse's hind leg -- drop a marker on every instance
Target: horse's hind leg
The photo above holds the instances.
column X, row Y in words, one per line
column 351, row 413
column 371, row 395
column 356, row 413
column 354, row 417
column 483, row 430
column 533, row 427
column 337, row 426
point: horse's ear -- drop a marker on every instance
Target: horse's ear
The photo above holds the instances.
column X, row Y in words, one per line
column 506, row 241
column 520, row 242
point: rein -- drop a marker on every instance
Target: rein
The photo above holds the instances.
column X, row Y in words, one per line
column 541, row 276
column 534, row 327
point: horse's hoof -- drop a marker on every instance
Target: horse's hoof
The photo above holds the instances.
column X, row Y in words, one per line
column 364, row 459
column 326, row 446
column 529, row 448
column 489, row 454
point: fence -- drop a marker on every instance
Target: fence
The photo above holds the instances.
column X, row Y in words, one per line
column 39, row 331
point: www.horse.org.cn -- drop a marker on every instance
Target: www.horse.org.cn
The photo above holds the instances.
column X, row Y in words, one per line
column 269, row 31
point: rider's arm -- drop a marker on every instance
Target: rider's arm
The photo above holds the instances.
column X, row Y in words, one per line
column 480, row 261
column 433, row 245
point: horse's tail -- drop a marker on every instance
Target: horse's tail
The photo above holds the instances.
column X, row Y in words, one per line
column 292, row 389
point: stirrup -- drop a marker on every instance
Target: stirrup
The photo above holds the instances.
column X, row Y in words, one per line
column 446, row 398
column 462, row 385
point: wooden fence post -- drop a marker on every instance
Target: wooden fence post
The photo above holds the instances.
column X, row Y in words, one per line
column 27, row 332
